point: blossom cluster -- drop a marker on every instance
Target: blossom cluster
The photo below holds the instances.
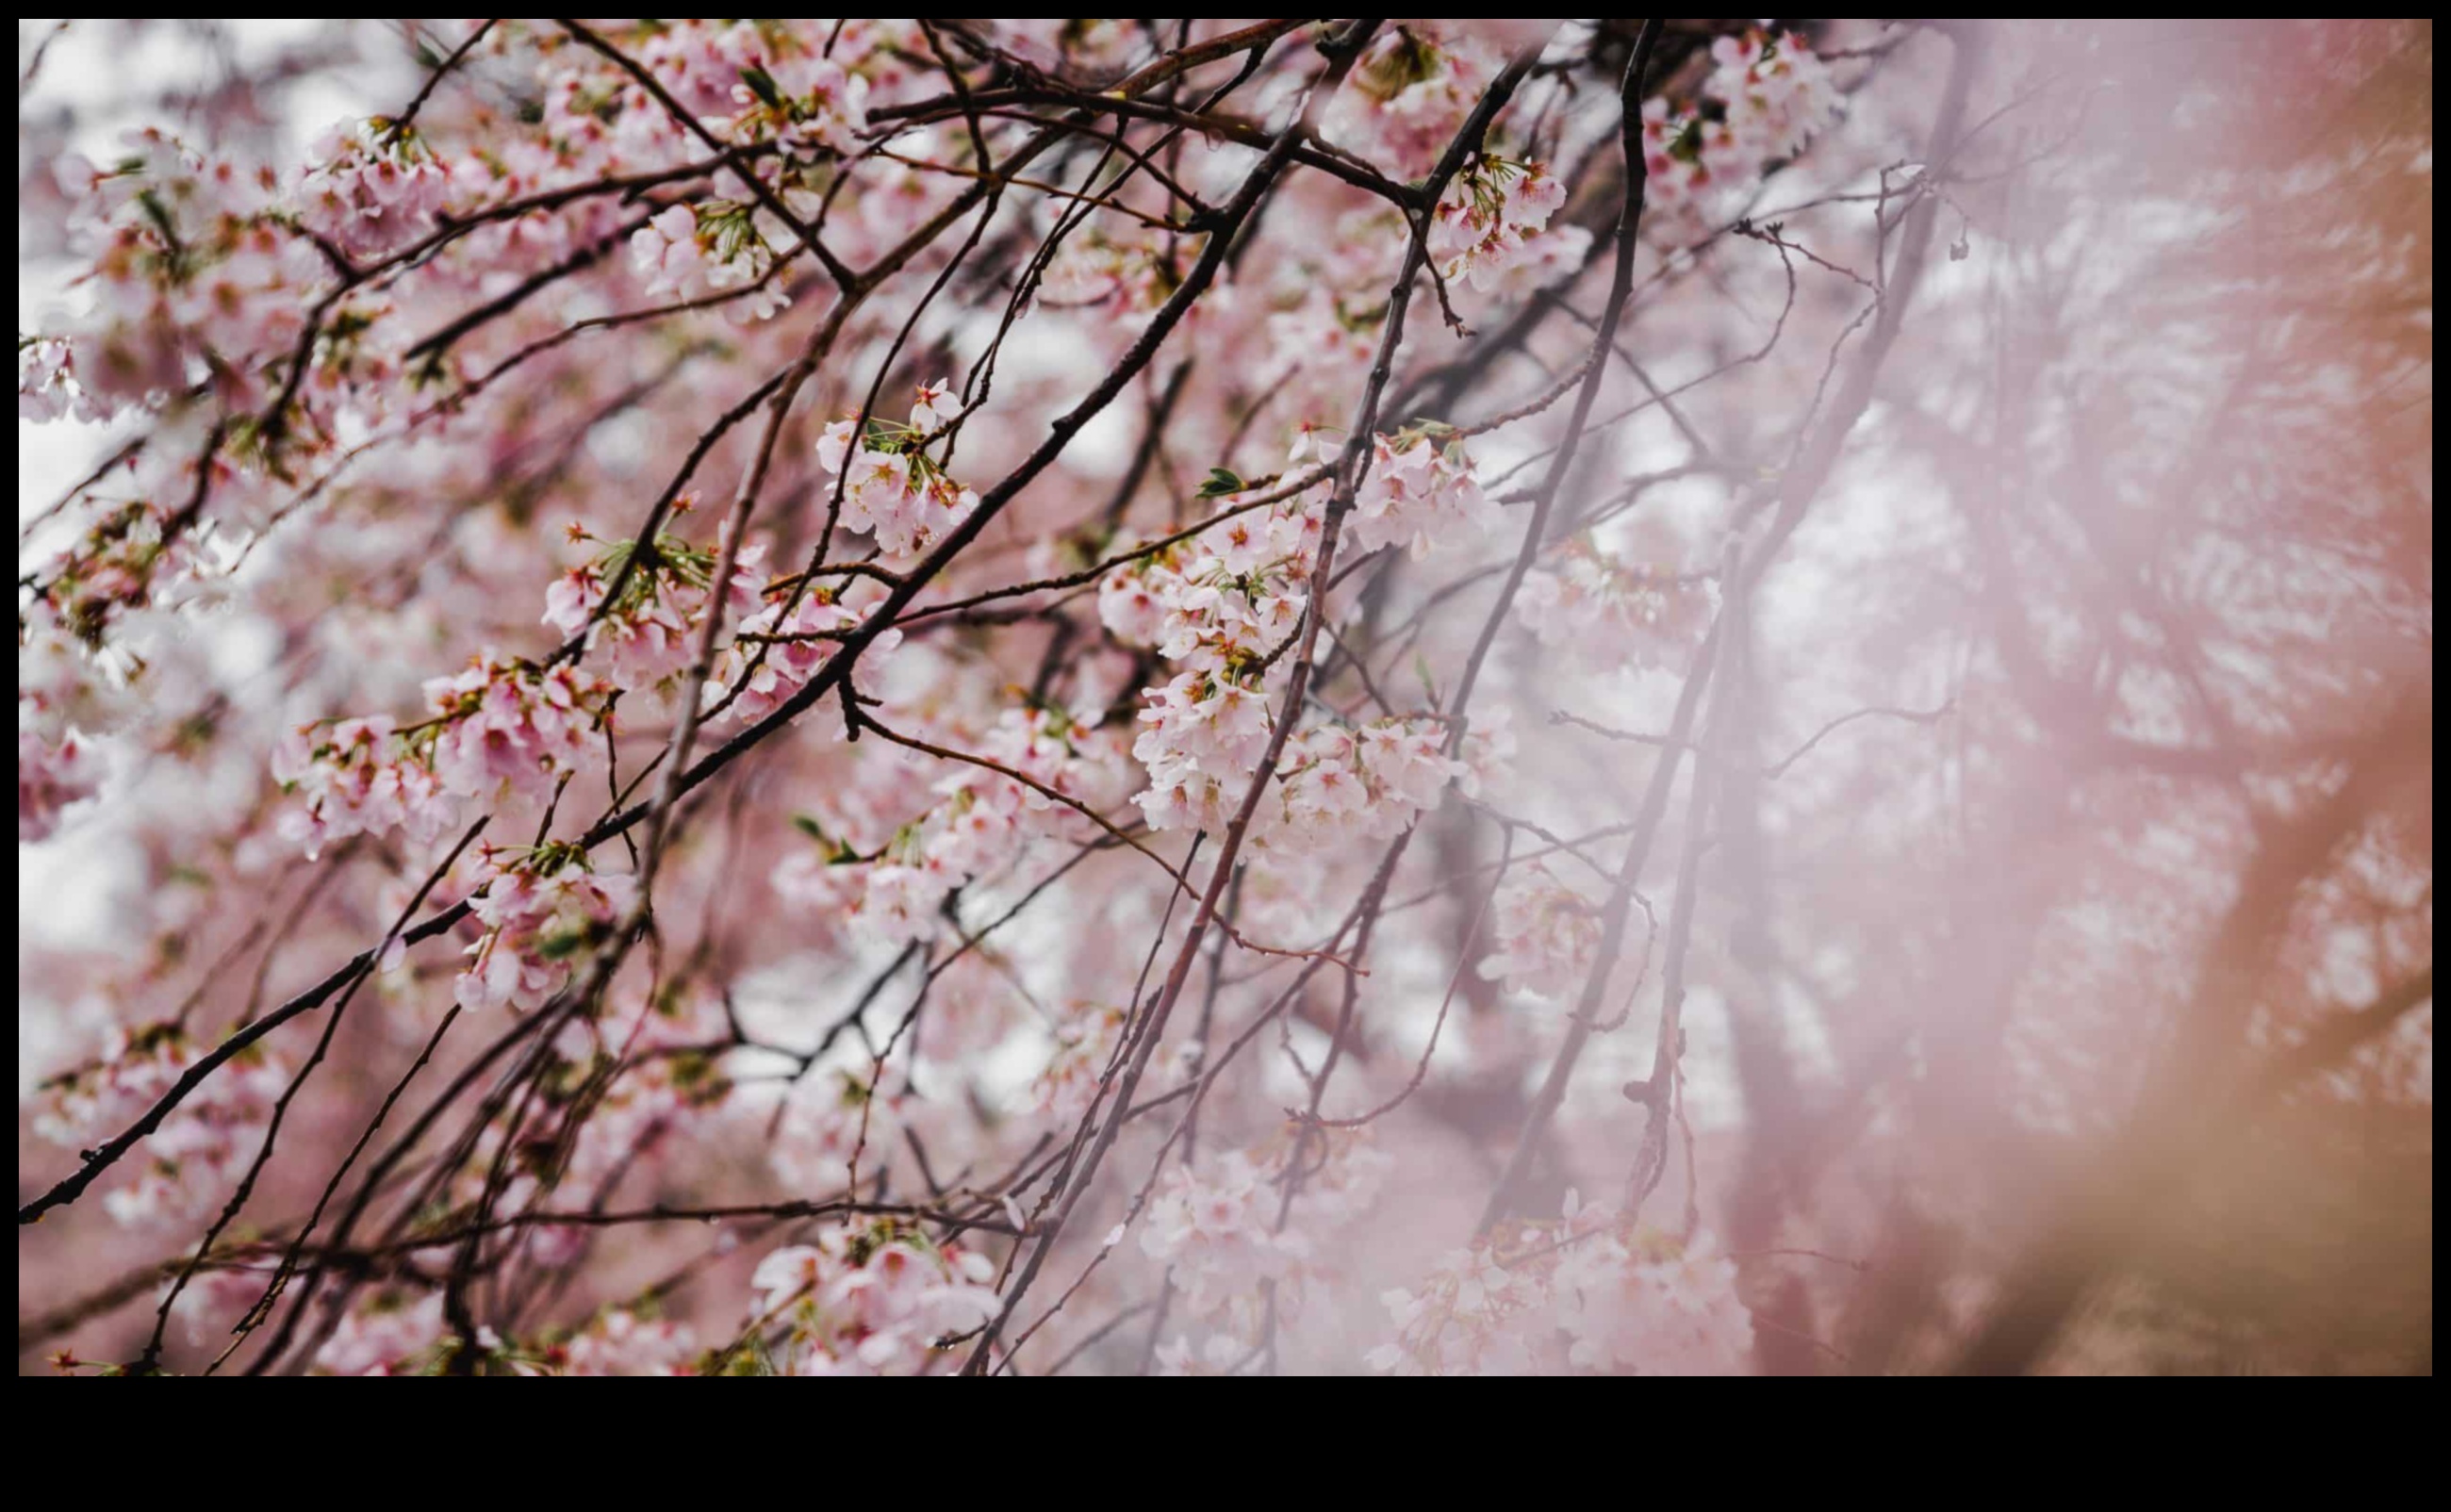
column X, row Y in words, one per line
column 46, row 381
column 826, row 1119
column 70, row 690
column 1408, row 95
column 1632, row 614
column 394, row 1331
column 198, row 1150
column 1336, row 785
column 775, row 651
column 51, row 775
column 1419, row 491
column 875, row 1299
column 375, row 186
column 626, row 1342
column 192, row 278
column 800, row 99
column 500, row 727
column 649, row 634
column 1490, row 218
column 540, row 913
column 713, row 250
column 1224, row 1227
column 1226, row 605
column 1590, row 1294
column 1773, row 94
column 891, row 488
column 981, row 819
column 1545, row 935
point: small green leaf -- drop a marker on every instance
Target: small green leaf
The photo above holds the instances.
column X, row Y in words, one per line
column 1222, row 481
column 761, row 84
column 1688, row 146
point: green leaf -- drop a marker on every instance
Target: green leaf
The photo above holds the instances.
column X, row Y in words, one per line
column 160, row 217
column 761, row 84
column 1222, row 481
column 1688, row 146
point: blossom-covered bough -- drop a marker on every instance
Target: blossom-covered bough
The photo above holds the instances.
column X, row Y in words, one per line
column 862, row 696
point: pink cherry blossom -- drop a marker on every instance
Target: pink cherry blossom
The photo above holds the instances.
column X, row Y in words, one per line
column 893, row 697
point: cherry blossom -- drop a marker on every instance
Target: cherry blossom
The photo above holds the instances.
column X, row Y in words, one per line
column 892, row 696
column 1645, row 614
column 891, row 486
column 872, row 1300
column 1545, row 935
column 197, row 1152
column 622, row 1342
column 1588, row 1293
column 1224, row 1228
column 708, row 250
column 1491, row 218
column 1421, row 489
column 374, row 186
column 1408, row 94
column 51, row 777
column 386, row 1336
column 539, row 913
